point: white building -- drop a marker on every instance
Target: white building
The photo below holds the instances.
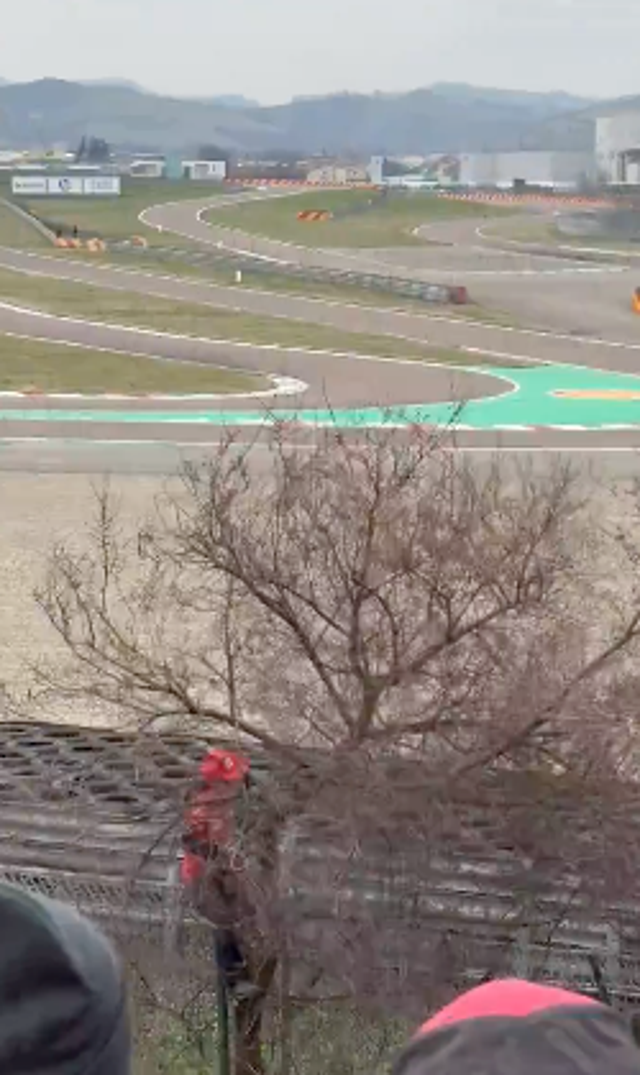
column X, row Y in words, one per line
column 337, row 175
column 618, row 147
column 545, row 169
column 205, row 171
column 148, row 168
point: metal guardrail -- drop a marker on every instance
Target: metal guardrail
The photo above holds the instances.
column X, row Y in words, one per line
column 227, row 261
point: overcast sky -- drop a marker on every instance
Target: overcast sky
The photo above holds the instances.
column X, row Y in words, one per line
column 275, row 49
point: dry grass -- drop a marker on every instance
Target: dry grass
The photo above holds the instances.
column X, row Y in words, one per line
column 191, row 319
column 355, row 223
column 32, row 365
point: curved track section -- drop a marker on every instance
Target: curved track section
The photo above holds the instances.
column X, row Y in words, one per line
column 586, row 393
column 578, row 296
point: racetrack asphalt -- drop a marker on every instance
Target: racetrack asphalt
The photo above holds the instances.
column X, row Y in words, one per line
column 582, row 312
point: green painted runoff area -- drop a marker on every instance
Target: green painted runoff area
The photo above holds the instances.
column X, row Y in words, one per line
column 529, row 399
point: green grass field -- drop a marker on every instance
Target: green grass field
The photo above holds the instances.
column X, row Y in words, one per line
column 117, row 218
column 388, row 223
column 33, row 365
column 543, row 231
column 127, row 308
column 17, row 232
column 260, row 279
column 189, row 319
column 155, row 261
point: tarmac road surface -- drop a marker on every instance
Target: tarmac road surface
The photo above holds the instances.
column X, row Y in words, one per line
column 587, row 307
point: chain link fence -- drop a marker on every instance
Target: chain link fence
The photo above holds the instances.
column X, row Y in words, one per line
column 94, row 817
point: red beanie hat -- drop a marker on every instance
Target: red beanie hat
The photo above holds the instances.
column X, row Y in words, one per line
column 514, row 1027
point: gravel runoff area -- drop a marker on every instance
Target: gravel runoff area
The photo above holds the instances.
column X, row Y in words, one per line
column 38, row 511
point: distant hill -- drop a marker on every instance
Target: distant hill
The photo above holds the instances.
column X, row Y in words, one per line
column 442, row 118
column 119, row 83
column 445, row 118
column 230, row 100
column 55, row 111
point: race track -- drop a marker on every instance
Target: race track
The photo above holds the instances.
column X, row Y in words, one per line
column 581, row 391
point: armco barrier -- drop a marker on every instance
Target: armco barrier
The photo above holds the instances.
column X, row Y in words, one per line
column 253, row 268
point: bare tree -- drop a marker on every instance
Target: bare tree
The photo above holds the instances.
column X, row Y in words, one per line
column 410, row 644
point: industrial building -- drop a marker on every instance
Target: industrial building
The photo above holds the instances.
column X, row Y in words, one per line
column 567, row 170
column 618, row 147
column 337, row 175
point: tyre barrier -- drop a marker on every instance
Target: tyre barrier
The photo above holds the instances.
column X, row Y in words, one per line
column 444, row 295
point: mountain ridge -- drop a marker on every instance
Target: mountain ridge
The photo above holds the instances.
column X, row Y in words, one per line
column 444, row 117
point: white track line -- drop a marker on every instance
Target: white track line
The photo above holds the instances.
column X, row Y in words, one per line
column 543, row 334
column 497, row 449
column 358, row 259
column 282, row 386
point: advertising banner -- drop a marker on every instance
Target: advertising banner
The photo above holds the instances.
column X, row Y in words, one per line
column 29, row 184
column 102, row 184
column 65, row 185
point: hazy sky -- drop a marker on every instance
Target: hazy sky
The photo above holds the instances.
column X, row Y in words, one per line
column 275, row 49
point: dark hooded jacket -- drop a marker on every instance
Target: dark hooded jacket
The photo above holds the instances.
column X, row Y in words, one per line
column 62, row 1001
column 520, row 1028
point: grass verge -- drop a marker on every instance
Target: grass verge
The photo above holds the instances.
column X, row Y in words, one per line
column 355, row 223
column 282, row 284
column 27, row 365
column 190, row 319
column 546, row 233
column 539, row 230
column 116, row 218
column 17, row 232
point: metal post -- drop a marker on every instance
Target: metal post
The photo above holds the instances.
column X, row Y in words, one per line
column 223, row 1020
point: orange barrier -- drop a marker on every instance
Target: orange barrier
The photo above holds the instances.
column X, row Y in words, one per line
column 314, row 214
column 635, row 301
column 94, row 245
column 505, row 198
column 299, row 183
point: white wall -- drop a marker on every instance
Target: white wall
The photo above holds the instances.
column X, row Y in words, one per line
column 545, row 169
column 615, row 135
column 376, row 170
column 501, row 169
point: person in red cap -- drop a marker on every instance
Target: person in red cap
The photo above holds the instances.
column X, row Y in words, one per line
column 515, row 1027
column 206, row 870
